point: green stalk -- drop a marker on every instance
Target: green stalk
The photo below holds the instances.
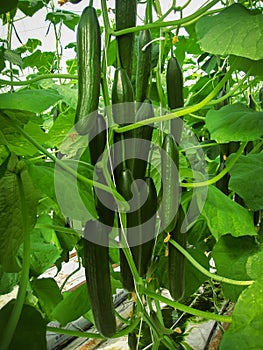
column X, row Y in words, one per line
column 75, row 333
column 180, row 111
column 221, row 174
column 41, row 77
column 12, row 322
column 200, row 268
column 175, row 23
column 188, row 309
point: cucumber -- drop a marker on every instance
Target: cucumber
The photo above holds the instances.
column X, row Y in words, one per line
column 133, row 221
column 170, row 183
column 148, row 219
column 125, row 17
column 89, row 70
column 97, row 137
column 143, row 65
column 97, row 271
column 176, row 260
column 139, row 150
column 175, row 94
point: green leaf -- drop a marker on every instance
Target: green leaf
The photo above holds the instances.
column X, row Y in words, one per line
column 69, row 95
column 30, row 7
column 231, row 255
column 43, row 61
column 62, row 187
column 11, row 216
column 35, row 101
column 70, row 19
column 43, row 255
column 245, row 331
column 13, row 57
column 16, row 142
column 60, row 129
column 234, row 123
column 30, row 332
column 254, row 265
column 254, row 68
column 29, row 46
column 74, row 305
column 8, row 281
column 246, row 179
column 48, row 294
column 224, row 216
column 7, row 6
column 234, row 31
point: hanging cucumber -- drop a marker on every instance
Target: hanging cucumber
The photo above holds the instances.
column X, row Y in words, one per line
column 125, row 16
column 89, row 70
column 176, row 260
column 175, row 93
column 138, row 154
column 133, row 221
column 104, row 201
column 170, row 183
column 97, row 273
column 148, row 218
column 122, row 110
column 143, row 65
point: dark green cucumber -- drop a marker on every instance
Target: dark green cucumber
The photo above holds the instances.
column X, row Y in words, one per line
column 170, row 183
column 148, row 219
column 133, row 222
column 97, row 137
column 104, row 201
column 139, row 150
column 176, row 260
column 89, row 70
column 122, row 98
column 175, row 94
column 125, row 16
column 143, row 70
column 98, row 278
column 123, row 110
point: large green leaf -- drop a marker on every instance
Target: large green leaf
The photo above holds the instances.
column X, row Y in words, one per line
column 62, row 187
column 11, row 216
column 74, row 305
column 30, row 7
column 234, row 123
column 8, row 281
column 48, row 294
column 246, row 65
column 235, row 31
column 245, row 331
column 254, row 264
column 35, row 101
column 14, row 140
column 247, row 181
column 43, row 255
column 30, row 332
column 231, row 255
column 70, row 19
column 43, row 61
column 224, row 216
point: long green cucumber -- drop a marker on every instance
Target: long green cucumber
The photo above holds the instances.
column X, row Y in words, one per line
column 133, row 225
column 140, row 147
column 89, row 70
column 148, row 218
column 170, row 183
column 176, row 260
column 143, row 70
column 97, row 273
column 125, row 16
column 175, row 94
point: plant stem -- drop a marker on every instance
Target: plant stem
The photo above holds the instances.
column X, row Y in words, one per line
column 188, row 309
column 74, row 333
column 12, row 322
column 180, row 111
column 221, row 174
column 41, row 77
column 200, row 268
column 160, row 24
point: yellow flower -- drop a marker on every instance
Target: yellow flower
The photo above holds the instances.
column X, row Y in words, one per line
column 175, row 40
